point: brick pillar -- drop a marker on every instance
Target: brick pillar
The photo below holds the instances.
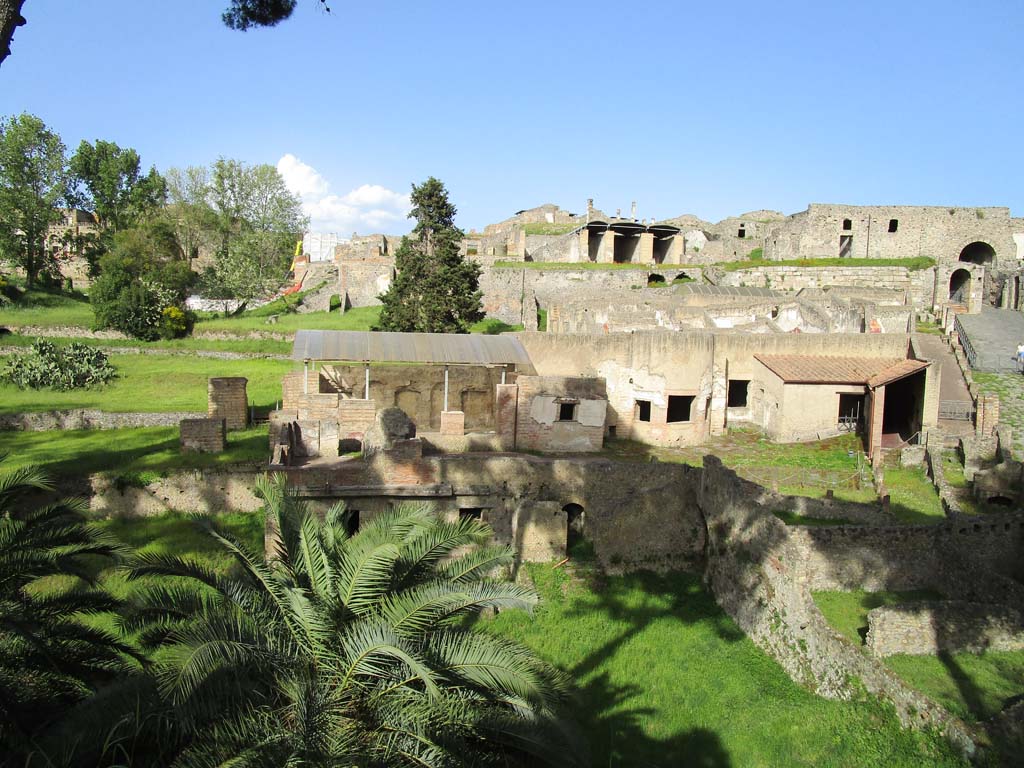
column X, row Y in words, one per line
column 988, row 415
column 505, row 405
column 228, row 401
column 930, row 416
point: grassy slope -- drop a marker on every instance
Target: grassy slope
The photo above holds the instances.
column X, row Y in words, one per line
column 973, row 686
column 667, row 679
column 155, row 449
column 241, row 345
column 43, row 308
column 156, row 383
column 358, row 319
column 913, row 497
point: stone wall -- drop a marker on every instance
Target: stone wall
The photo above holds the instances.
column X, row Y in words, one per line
column 228, row 401
column 943, row 626
column 203, row 435
column 539, row 422
column 201, row 491
column 920, row 284
column 88, row 418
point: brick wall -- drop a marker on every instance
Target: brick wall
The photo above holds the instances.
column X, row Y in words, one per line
column 203, row 435
column 228, row 401
column 538, row 423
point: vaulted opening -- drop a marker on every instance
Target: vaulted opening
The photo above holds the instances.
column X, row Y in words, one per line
column 978, row 253
column 575, row 518
column 959, row 286
column 847, row 224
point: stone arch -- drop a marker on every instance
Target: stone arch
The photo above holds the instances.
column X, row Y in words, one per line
column 960, row 286
column 978, row 252
column 655, row 279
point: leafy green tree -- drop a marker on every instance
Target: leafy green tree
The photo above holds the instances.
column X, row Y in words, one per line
column 188, row 209
column 258, row 221
column 34, row 183
column 110, row 184
column 348, row 649
column 143, row 284
column 435, row 290
column 49, row 658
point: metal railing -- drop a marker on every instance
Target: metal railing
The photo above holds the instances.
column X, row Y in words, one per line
column 964, row 342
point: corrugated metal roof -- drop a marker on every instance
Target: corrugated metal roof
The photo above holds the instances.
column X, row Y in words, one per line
column 384, row 347
column 825, row 369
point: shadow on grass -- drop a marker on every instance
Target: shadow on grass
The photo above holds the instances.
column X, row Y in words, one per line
column 616, row 731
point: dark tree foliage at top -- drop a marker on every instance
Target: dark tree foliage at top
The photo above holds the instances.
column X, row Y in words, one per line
column 243, row 14
column 435, row 290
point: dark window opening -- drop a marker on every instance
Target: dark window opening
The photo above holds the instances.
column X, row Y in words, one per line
column 893, row 225
column 567, row 411
column 845, row 246
column 1000, row 501
column 775, row 313
column 351, row 521
column 679, row 407
column 737, row 393
column 741, row 233
column 847, row 224
column 611, row 432
column 471, row 513
column 643, row 410
column 655, row 279
column 574, row 518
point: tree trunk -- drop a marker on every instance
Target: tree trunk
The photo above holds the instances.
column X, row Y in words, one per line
column 10, row 19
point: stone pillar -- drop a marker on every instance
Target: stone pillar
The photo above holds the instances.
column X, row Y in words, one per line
column 875, row 423
column 453, row 423
column 930, row 409
column 539, row 530
column 227, row 400
column 584, row 245
column 675, row 250
column 505, row 406
column 645, row 250
column 606, row 253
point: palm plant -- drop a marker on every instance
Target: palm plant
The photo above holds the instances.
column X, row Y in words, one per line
column 349, row 649
column 49, row 658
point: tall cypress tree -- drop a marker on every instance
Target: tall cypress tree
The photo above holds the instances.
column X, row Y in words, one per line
column 436, row 290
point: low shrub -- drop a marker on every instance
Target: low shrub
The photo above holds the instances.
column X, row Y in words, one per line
column 47, row 366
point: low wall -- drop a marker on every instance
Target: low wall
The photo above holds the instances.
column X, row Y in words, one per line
column 201, row 491
column 931, row 627
column 88, row 418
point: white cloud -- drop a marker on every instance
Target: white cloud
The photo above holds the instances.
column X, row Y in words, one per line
column 366, row 209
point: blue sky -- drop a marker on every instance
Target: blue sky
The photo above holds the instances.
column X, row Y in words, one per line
column 706, row 108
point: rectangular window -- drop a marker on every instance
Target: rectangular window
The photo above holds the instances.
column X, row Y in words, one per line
column 643, row 410
column 567, row 411
column 894, row 224
column 471, row 513
column 847, row 224
column 737, row 395
column 741, row 233
column 679, row 407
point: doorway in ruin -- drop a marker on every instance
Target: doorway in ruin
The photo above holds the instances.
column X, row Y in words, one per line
column 903, row 411
column 978, row 253
column 409, row 401
column 574, row 530
column 594, row 244
column 852, row 408
column 845, row 246
column 624, row 248
column 959, row 287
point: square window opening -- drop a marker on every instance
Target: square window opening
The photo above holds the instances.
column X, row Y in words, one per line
column 471, row 513
column 894, row 224
column 741, row 233
column 567, row 411
column 738, row 392
column 643, row 410
column 679, row 408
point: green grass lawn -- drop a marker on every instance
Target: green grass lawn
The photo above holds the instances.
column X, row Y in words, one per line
column 666, row 679
column 124, row 451
column 578, row 265
column 49, row 309
column 913, row 498
column 1010, row 389
column 972, row 686
column 156, row 383
column 790, row 518
column 356, row 319
column 544, row 228
column 241, row 345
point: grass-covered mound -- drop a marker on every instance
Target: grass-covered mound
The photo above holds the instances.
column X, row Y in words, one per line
column 667, row 679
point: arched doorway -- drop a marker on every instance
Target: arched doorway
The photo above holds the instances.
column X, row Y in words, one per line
column 575, row 517
column 978, row 253
column 959, row 286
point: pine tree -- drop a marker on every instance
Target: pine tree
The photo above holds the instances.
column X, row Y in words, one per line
column 436, row 290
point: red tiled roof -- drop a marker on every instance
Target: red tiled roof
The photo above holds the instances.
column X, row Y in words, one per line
column 825, row 369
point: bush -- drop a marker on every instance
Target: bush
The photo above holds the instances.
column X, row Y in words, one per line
column 46, row 366
column 175, row 322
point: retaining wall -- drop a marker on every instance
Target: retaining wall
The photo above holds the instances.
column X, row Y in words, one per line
column 88, row 418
